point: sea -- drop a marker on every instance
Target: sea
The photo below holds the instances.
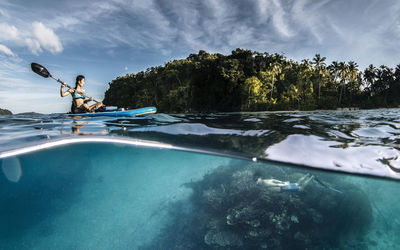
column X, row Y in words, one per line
column 262, row 180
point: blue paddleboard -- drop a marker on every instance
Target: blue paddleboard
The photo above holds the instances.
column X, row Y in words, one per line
column 131, row 112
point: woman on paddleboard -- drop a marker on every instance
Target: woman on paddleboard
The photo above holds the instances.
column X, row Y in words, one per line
column 79, row 100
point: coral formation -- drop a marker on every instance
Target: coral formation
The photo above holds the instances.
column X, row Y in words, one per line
column 230, row 209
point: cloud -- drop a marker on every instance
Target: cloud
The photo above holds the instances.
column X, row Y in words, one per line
column 46, row 38
column 279, row 18
column 8, row 32
column 9, row 65
column 33, row 45
column 41, row 38
column 4, row 49
column 297, row 28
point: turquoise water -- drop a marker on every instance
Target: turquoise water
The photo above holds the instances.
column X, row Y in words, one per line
column 287, row 180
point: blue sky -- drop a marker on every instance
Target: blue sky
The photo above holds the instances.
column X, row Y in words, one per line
column 109, row 38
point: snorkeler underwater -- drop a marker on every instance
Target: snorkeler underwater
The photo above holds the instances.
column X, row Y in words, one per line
column 232, row 209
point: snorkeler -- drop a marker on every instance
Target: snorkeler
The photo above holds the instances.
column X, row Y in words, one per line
column 286, row 186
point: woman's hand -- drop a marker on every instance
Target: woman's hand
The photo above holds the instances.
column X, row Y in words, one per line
column 99, row 104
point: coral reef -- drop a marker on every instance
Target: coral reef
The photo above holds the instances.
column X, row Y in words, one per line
column 230, row 209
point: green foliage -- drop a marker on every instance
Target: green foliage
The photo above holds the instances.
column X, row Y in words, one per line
column 253, row 81
column 5, row 112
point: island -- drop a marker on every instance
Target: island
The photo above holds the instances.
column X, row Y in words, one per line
column 5, row 112
column 247, row 80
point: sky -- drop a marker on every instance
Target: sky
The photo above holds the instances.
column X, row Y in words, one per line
column 105, row 39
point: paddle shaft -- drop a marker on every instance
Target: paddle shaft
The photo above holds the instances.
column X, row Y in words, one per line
column 42, row 71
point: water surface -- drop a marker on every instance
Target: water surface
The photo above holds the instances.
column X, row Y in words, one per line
column 364, row 141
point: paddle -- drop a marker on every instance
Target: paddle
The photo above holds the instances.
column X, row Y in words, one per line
column 42, row 71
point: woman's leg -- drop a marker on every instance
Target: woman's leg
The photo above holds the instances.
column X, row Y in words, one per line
column 95, row 106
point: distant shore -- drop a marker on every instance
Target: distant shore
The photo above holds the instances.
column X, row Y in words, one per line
column 5, row 112
column 252, row 81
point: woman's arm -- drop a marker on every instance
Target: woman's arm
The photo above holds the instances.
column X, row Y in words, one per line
column 93, row 107
column 65, row 93
column 88, row 100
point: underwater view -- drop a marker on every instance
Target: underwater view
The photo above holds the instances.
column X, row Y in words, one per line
column 265, row 180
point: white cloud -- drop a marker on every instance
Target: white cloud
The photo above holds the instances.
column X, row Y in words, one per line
column 2, row 13
column 6, row 50
column 8, row 32
column 11, row 65
column 300, row 27
column 41, row 38
column 47, row 38
column 33, row 45
column 310, row 18
column 279, row 18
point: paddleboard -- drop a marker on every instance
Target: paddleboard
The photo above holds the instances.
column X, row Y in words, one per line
column 131, row 112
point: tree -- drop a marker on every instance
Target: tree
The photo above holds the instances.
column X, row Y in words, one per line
column 334, row 70
column 275, row 70
column 304, row 78
column 352, row 76
column 255, row 93
column 247, row 80
column 319, row 64
column 369, row 79
column 343, row 74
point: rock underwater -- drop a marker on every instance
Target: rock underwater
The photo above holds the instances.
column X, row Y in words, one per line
column 230, row 209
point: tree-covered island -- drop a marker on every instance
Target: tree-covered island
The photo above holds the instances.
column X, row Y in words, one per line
column 253, row 81
column 5, row 112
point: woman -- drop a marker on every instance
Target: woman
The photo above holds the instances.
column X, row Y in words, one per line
column 79, row 100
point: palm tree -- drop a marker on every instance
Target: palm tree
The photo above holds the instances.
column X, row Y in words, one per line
column 305, row 74
column 352, row 76
column 276, row 69
column 343, row 69
column 396, row 83
column 334, row 69
column 294, row 94
column 384, row 77
column 397, row 72
column 353, row 70
column 319, row 63
column 370, row 78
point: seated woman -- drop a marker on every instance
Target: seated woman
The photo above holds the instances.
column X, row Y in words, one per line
column 79, row 100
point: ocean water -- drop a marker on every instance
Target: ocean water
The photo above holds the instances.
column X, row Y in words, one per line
column 276, row 180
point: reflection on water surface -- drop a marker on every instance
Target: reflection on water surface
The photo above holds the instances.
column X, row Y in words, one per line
column 363, row 141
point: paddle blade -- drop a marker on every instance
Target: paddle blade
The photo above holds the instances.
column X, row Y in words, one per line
column 40, row 70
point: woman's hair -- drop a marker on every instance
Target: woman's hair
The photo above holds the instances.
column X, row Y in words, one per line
column 78, row 79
